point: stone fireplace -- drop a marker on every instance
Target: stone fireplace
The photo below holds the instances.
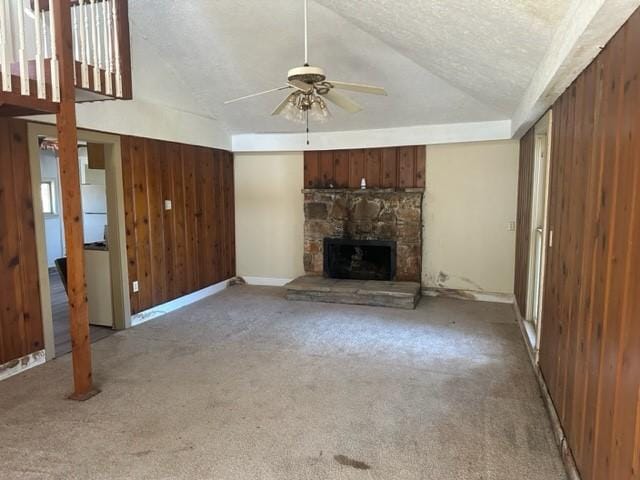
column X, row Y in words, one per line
column 371, row 217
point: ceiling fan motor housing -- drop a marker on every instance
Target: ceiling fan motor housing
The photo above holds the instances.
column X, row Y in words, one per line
column 307, row 74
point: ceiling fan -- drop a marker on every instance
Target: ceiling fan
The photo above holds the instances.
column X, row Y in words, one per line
column 310, row 90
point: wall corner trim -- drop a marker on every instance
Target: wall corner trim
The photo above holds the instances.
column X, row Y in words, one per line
column 22, row 364
column 168, row 307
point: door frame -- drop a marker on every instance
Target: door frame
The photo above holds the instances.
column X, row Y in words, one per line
column 540, row 209
column 116, row 227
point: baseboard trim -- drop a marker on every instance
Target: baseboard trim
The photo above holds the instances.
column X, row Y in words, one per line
column 267, row 281
column 558, row 431
column 22, row 364
column 160, row 310
column 472, row 295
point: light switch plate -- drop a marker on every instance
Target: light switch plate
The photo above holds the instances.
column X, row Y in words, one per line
column 511, row 226
column 167, row 204
column 135, row 286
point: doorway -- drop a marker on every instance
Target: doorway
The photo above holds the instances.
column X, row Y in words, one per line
column 103, row 224
column 537, row 246
column 94, row 209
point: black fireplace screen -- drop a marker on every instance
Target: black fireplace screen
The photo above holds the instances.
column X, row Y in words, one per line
column 359, row 259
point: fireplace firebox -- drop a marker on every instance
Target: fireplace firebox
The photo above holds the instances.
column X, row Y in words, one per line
column 360, row 259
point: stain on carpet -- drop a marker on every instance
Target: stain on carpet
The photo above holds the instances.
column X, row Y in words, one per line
column 350, row 462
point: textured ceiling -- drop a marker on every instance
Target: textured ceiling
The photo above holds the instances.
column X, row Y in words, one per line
column 442, row 61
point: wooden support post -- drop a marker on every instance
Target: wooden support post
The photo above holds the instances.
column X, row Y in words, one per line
column 72, row 206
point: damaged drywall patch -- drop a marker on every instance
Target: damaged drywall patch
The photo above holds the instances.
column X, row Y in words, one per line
column 21, row 364
column 443, row 278
column 470, row 282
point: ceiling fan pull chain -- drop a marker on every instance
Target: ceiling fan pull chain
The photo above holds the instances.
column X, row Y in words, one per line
column 307, row 127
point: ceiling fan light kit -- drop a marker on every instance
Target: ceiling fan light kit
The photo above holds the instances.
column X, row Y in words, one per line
column 312, row 89
column 299, row 105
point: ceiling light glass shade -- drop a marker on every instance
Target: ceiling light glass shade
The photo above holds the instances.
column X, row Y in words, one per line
column 301, row 104
column 293, row 112
column 319, row 111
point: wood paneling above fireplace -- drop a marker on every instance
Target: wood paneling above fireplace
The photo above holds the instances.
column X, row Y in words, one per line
column 392, row 167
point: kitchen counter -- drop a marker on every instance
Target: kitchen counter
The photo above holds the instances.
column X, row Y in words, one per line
column 101, row 246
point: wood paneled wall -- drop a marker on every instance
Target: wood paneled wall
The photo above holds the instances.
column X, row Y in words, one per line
column 590, row 351
column 393, row 167
column 175, row 252
column 523, row 231
column 20, row 308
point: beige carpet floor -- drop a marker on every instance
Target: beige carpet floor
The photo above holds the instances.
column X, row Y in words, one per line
column 246, row 385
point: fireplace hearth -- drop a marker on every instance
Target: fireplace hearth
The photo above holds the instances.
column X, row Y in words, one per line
column 359, row 259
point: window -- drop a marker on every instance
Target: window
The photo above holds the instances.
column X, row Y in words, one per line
column 48, row 195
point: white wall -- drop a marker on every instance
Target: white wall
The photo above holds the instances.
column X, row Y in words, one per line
column 269, row 215
column 470, row 200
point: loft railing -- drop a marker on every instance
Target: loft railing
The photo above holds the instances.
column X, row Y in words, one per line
column 96, row 42
column 25, row 43
column 29, row 56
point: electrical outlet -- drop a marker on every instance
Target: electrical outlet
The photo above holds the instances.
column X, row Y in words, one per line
column 167, row 204
column 135, row 286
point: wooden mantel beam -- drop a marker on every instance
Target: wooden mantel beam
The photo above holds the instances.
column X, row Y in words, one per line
column 72, row 207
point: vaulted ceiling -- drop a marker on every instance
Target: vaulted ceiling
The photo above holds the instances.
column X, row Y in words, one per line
column 441, row 61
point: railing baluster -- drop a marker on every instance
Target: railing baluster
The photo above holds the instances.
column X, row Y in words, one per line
column 40, row 81
column 45, row 33
column 87, row 21
column 108, row 64
column 74, row 35
column 97, row 13
column 95, row 44
column 4, row 45
column 55, row 71
column 116, row 48
column 83, row 45
column 24, row 73
column 74, row 41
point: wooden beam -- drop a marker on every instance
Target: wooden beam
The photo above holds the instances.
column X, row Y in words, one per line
column 72, row 207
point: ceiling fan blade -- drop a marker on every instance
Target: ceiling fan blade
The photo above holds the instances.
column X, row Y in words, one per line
column 282, row 104
column 300, row 85
column 356, row 87
column 257, row 94
column 342, row 101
